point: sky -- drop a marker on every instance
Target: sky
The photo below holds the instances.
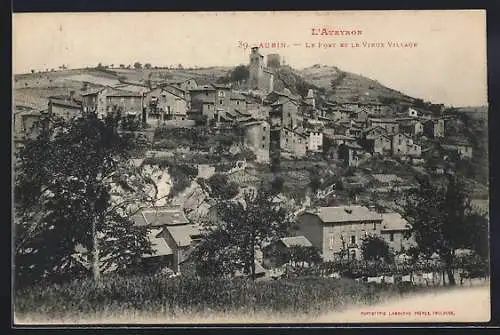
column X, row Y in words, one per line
column 447, row 65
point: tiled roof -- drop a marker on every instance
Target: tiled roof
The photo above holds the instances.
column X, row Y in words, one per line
column 393, row 221
column 346, row 214
column 160, row 217
column 237, row 96
column 183, row 235
column 203, row 88
column 160, row 246
column 296, row 241
column 65, row 103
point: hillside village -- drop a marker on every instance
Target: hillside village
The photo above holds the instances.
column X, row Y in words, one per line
column 344, row 158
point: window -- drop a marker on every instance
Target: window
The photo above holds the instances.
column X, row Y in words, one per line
column 391, row 237
column 331, row 241
column 263, row 146
column 353, row 239
column 206, row 93
column 263, row 138
column 221, row 93
column 374, row 226
column 221, row 102
column 237, row 102
column 399, row 140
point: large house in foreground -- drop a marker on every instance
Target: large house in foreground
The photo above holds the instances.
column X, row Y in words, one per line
column 336, row 230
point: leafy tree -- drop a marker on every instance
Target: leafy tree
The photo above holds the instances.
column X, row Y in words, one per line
column 277, row 185
column 239, row 73
column 441, row 219
column 374, row 248
column 221, row 188
column 244, row 226
column 137, row 66
column 299, row 255
column 147, row 66
column 73, row 186
column 122, row 66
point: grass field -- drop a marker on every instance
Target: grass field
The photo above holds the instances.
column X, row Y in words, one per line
column 168, row 299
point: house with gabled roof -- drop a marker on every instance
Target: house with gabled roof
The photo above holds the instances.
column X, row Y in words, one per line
column 172, row 225
column 403, row 145
column 280, row 251
column 337, row 230
column 393, row 230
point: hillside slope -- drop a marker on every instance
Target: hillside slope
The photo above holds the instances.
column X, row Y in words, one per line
column 345, row 86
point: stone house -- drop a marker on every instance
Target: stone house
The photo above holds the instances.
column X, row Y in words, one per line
column 67, row 108
column 129, row 103
column 163, row 104
column 411, row 127
column 335, row 230
column 393, row 229
column 391, row 125
column 257, row 138
column 403, row 145
column 434, row 128
column 174, row 228
column 350, row 153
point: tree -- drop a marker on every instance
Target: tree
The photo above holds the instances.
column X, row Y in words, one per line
column 221, row 188
column 299, row 255
column 374, row 248
column 441, row 219
column 239, row 73
column 32, row 71
column 277, row 185
column 137, row 66
column 122, row 66
column 147, row 66
column 245, row 225
column 65, row 198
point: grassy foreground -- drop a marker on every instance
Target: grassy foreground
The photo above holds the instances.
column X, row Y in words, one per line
column 169, row 299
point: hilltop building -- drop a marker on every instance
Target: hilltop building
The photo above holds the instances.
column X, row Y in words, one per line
column 260, row 77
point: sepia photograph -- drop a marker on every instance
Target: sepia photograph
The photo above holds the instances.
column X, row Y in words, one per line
column 273, row 167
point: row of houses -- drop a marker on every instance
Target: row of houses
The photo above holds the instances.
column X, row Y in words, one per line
column 334, row 231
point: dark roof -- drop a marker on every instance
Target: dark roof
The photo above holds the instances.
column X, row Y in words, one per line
column 345, row 214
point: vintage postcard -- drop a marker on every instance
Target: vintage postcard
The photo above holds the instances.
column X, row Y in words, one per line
column 250, row 167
